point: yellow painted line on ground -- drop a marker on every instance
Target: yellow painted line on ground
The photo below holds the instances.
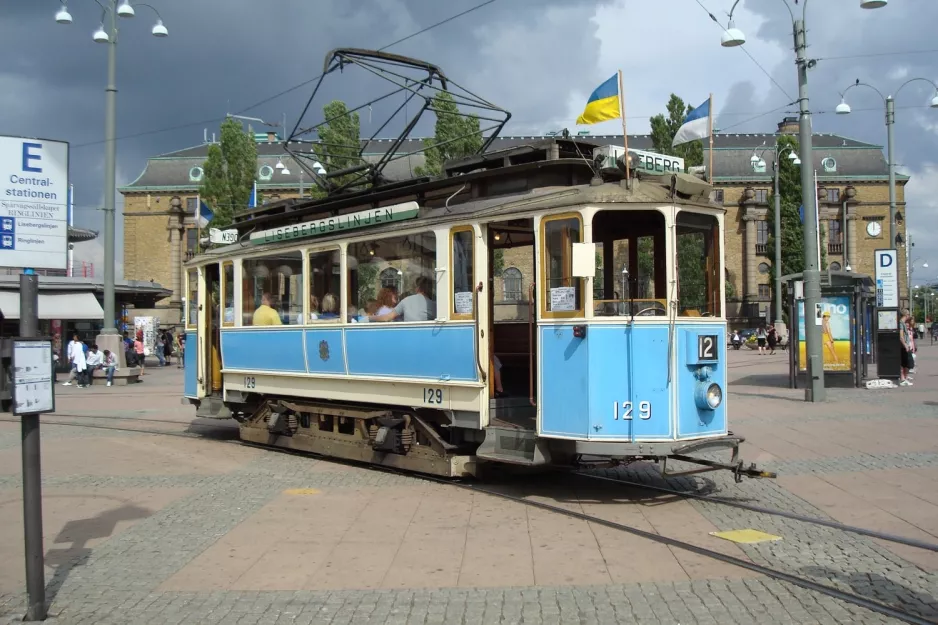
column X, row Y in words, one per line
column 746, row 537
column 301, row 491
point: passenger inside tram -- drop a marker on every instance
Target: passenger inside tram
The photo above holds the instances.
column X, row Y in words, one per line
column 417, row 307
column 265, row 315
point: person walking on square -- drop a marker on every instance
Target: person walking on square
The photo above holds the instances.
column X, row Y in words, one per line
column 760, row 338
column 772, row 339
column 905, row 344
column 76, row 358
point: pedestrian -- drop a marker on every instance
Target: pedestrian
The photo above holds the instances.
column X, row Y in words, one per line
column 905, row 355
column 737, row 340
column 77, row 364
column 181, row 359
column 139, row 351
column 168, row 346
column 110, row 365
column 772, row 339
column 913, row 349
column 93, row 362
column 761, row 335
column 158, row 350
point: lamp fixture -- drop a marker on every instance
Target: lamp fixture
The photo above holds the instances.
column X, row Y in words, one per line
column 754, row 159
column 63, row 16
column 843, row 108
column 100, row 36
column 125, row 10
column 873, row 4
column 159, row 30
column 732, row 36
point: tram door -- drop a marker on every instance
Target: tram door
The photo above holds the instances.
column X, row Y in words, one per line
column 512, row 323
column 212, row 345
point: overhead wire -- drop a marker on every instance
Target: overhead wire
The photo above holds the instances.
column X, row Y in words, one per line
column 288, row 90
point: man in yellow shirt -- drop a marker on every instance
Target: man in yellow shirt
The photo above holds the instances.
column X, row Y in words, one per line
column 265, row 315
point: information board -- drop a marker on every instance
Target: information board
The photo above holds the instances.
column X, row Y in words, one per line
column 33, row 383
column 33, row 203
column 887, row 278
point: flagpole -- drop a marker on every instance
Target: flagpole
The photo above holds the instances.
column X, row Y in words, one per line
column 625, row 135
column 710, row 132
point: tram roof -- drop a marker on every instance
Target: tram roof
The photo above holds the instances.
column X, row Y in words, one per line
column 648, row 190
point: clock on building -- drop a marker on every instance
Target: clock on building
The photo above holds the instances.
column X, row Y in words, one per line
column 874, row 228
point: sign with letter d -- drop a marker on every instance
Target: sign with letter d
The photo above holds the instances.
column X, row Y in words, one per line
column 887, row 278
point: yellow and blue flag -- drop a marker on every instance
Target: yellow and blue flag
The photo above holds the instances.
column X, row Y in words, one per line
column 603, row 103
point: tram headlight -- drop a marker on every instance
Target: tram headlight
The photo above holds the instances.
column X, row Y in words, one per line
column 714, row 396
column 708, row 395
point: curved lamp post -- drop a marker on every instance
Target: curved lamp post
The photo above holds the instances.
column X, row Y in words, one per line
column 844, row 109
column 732, row 36
column 107, row 33
column 758, row 163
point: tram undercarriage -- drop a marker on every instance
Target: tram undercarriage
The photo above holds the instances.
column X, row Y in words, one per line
column 423, row 442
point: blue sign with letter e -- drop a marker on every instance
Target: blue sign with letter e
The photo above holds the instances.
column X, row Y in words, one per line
column 7, row 233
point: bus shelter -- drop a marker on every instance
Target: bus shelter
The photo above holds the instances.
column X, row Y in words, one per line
column 846, row 315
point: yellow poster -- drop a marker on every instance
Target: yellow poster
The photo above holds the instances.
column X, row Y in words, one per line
column 833, row 315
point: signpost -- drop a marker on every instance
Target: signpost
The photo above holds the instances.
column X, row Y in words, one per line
column 886, row 274
column 33, row 393
column 33, row 203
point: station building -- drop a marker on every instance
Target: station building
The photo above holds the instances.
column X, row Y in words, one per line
column 160, row 231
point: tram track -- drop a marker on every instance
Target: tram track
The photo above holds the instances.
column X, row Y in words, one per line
column 808, row 584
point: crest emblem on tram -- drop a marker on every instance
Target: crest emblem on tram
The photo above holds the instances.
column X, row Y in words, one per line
column 324, row 350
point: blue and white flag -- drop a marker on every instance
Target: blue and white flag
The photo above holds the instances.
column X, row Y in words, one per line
column 203, row 214
column 696, row 125
column 252, row 201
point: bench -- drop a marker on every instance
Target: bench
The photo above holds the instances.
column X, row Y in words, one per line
column 122, row 377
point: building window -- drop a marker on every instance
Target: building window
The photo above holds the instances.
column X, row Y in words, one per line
column 762, row 237
column 512, row 282
column 829, row 164
column 835, row 238
column 192, row 205
column 762, row 196
column 765, row 291
column 192, row 242
column 391, row 279
column 718, row 196
column 195, row 174
column 265, row 172
column 763, row 268
column 835, row 266
column 833, row 195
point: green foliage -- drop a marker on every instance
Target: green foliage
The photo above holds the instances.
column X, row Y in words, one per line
column 792, row 232
column 228, row 173
column 455, row 136
column 339, row 141
column 367, row 274
column 646, row 266
column 692, row 269
column 664, row 128
column 498, row 262
column 729, row 289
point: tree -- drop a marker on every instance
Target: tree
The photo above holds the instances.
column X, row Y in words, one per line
column 455, row 136
column 228, row 172
column 339, row 144
column 792, row 232
column 664, row 128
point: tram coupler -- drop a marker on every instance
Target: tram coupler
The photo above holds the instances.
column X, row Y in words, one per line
column 736, row 466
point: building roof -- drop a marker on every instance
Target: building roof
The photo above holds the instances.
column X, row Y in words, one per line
column 731, row 160
column 136, row 292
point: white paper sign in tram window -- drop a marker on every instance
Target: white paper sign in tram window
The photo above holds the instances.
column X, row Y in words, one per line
column 464, row 303
column 563, row 299
column 32, row 377
column 887, row 278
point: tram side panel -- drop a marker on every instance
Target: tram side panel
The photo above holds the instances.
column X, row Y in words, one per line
column 190, row 385
column 613, row 384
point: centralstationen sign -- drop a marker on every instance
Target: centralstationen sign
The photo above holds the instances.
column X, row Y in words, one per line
column 337, row 224
column 33, row 203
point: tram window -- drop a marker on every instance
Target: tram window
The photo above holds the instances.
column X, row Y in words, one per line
column 385, row 271
column 461, row 270
column 563, row 295
column 192, row 299
column 324, row 285
column 276, row 282
column 698, row 265
column 227, row 293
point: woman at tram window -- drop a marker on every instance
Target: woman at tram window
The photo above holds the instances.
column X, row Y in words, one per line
column 330, row 307
column 313, row 308
column 387, row 300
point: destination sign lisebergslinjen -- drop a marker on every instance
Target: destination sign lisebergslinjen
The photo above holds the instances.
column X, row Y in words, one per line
column 340, row 223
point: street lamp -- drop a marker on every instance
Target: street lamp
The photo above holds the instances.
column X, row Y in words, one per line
column 111, row 11
column 844, row 109
column 759, row 163
column 814, row 389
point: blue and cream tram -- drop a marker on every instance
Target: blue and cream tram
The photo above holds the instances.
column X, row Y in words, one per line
column 571, row 317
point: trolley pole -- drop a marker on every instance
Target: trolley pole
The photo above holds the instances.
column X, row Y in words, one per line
column 32, row 470
column 814, row 386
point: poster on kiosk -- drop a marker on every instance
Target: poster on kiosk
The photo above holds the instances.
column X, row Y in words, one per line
column 833, row 315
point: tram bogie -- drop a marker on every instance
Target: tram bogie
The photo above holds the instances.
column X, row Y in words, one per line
column 601, row 341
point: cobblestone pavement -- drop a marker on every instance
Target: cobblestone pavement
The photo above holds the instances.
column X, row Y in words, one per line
column 143, row 528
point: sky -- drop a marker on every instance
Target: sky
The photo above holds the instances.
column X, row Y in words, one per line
column 539, row 59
